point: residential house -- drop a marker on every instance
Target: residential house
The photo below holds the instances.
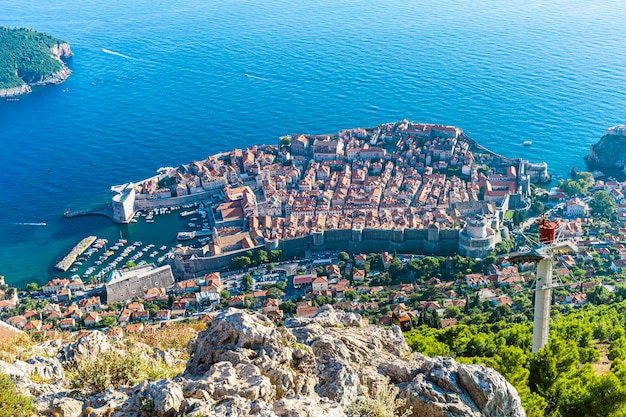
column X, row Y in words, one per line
column 92, row 318
column 17, row 321
column 76, row 284
column 576, row 208
column 67, row 323
column 306, row 311
column 55, row 285
column 32, row 326
column 134, row 329
column 269, row 305
column 162, row 315
column 358, row 275
column 88, row 305
column 320, row 284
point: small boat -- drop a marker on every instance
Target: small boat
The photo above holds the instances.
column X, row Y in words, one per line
column 149, row 221
column 527, row 143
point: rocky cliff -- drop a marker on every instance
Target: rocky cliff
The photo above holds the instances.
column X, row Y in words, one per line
column 57, row 51
column 243, row 365
column 610, row 151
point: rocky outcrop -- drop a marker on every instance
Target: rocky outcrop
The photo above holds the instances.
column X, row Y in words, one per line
column 244, row 365
column 610, row 151
column 15, row 91
column 329, row 362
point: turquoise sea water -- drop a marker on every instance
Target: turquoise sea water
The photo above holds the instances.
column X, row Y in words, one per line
column 174, row 90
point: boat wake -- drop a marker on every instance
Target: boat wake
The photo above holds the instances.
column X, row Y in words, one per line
column 255, row 77
column 107, row 51
column 31, row 224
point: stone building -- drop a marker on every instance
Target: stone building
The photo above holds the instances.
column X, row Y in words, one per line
column 477, row 240
column 133, row 283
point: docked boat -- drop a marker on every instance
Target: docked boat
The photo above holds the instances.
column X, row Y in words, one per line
column 185, row 235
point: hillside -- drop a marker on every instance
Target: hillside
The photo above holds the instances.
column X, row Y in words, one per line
column 30, row 58
column 244, row 365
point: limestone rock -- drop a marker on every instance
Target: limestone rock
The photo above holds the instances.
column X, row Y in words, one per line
column 87, row 348
column 162, row 398
column 66, row 407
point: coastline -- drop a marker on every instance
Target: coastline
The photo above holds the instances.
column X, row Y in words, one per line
column 58, row 51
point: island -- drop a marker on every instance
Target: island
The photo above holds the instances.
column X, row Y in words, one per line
column 30, row 58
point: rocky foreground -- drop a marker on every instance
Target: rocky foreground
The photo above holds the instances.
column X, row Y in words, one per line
column 244, row 365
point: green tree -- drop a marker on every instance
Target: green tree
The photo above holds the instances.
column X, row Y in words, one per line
column 603, row 205
column 396, row 270
column 343, row 256
column 350, row 295
column 274, row 293
column 289, row 308
column 276, row 255
column 240, row 262
column 537, row 207
column 247, row 281
column 33, row 286
column 108, row 321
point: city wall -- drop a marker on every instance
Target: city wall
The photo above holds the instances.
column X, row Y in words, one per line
column 148, row 204
column 442, row 242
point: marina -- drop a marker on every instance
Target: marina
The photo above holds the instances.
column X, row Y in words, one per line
column 101, row 255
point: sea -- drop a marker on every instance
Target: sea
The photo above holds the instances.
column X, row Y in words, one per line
column 161, row 83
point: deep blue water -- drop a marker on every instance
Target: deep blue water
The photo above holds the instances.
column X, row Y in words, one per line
column 549, row 71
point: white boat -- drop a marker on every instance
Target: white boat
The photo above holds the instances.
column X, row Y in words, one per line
column 527, row 143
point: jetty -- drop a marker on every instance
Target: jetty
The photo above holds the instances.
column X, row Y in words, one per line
column 102, row 210
column 65, row 263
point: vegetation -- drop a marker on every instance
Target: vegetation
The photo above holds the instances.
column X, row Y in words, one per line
column 115, row 369
column 603, row 205
column 559, row 380
column 25, row 56
column 13, row 403
column 383, row 402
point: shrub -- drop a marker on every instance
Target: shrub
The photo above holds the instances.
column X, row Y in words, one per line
column 383, row 403
column 12, row 403
column 115, row 368
column 175, row 336
column 12, row 348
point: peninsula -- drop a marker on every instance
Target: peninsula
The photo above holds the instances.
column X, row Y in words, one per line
column 405, row 186
column 29, row 58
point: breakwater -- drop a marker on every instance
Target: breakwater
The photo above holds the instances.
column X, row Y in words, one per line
column 65, row 263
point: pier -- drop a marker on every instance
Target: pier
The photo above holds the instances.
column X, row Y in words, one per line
column 76, row 251
column 103, row 210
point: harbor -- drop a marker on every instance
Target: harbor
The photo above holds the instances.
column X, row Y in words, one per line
column 149, row 238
